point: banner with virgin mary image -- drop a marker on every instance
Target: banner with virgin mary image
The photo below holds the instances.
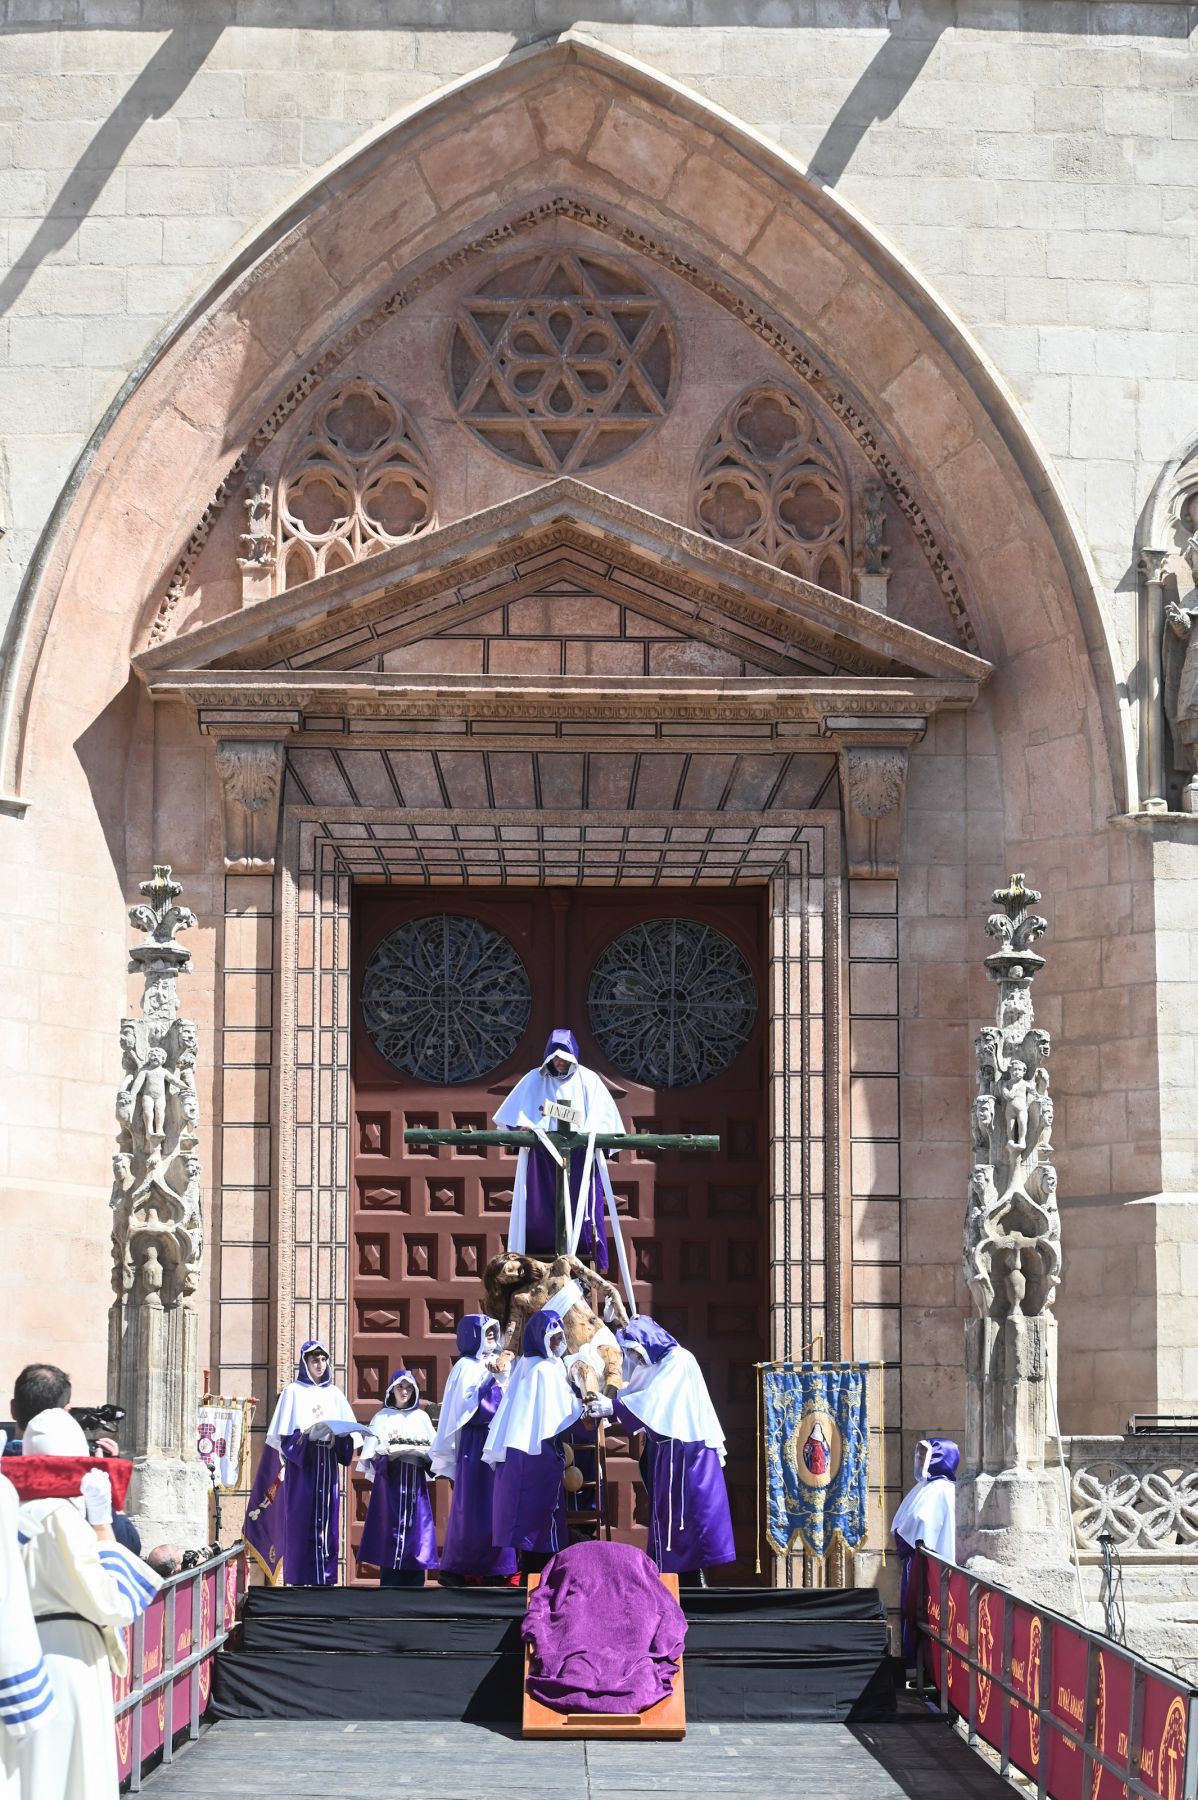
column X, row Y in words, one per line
column 816, row 1455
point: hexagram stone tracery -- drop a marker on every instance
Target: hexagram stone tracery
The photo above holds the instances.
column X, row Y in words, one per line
column 562, row 360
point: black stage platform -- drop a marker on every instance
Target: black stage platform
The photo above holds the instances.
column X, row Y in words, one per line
column 455, row 1653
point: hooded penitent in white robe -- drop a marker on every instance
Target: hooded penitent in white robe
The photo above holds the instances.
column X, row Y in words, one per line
column 538, row 1403
column 671, row 1398
column 104, row 1588
column 928, row 1514
column 533, row 1223
column 26, row 1697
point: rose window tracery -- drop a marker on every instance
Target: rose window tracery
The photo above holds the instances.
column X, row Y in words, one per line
column 358, row 481
column 445, row 998
column 671, row 1002
column 562, row 360
column 767, row 483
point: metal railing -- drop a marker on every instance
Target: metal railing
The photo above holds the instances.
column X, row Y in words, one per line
column 1063, row 1692
column 166, row 1686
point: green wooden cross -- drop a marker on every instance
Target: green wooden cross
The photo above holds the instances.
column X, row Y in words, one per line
column 566, row 1142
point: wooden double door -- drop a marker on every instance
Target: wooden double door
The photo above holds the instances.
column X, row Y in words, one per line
column 696, row 1226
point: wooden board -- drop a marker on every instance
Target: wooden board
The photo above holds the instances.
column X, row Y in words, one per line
column 665, row 1720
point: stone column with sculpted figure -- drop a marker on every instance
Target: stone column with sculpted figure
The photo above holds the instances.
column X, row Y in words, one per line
column 1010, row 1504
column 157, row 1234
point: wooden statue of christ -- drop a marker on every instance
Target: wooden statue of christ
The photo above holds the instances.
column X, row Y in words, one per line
column 586, row 1106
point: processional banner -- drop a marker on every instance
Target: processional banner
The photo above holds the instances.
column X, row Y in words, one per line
column 816, row 1455
column 222, row 1438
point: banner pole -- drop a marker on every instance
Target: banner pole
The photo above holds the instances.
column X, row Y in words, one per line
column 760, row 1456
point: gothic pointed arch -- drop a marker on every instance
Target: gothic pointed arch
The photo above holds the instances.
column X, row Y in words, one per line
column 571, row 138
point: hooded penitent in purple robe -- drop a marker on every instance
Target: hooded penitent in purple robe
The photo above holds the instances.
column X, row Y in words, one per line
column 605, row 1634
column 534, row 1220
column 399, row 1534
column 295, row 1507
column 665, row 1396
column 928, row 1514
column 471, row 1400
column 528, row 1509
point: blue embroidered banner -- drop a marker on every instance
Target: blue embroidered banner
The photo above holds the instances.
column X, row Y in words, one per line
column 816, row 1455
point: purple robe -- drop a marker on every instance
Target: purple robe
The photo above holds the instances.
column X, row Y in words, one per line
column 312, row 1508
column 540, row 1235
column 605, row 1635
column 399, row 1532
column 528, row 1507
column 469, row 1548
column 690, row 1526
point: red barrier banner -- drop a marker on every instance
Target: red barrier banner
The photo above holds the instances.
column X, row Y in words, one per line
column 1163, row 1739
column 1027, row 1655
column 1067, row 1702
column 122, row 1687
column 992, row 1702
column 1104, row 1724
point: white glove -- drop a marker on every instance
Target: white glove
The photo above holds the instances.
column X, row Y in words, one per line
column 96, row 1490
column 322, row 1432
column 599, row 1408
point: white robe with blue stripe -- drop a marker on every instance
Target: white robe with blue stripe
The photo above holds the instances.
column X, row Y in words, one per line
column 26, row 1697
column 70, row 1570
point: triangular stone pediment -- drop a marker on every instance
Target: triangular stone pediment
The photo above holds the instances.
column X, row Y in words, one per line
column 564, row 581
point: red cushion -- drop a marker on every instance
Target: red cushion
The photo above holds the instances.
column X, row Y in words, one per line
column 58, row 1477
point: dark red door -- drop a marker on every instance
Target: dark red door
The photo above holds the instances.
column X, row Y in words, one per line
column 677, row 1000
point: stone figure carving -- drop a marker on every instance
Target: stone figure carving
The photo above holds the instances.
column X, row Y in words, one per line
column 152, row 1087
column 258, row 537
column 873, row 550
column 1012, row 1233
column 1172, row 626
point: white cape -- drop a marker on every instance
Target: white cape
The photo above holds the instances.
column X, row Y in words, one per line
column 538, row 1404
column 301, row 1405
column 581, row 1088
column 26, row 1697
column 929, row 1512
column 458, row 1406
column 671, row 1398
column 406, row 1425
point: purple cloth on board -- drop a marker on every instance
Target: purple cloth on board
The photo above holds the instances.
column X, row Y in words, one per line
column 540, row 1235
column 399, row 1532
column 604, row 1633
column 528, row 1506
column 690, row 1526
column 469, row 1549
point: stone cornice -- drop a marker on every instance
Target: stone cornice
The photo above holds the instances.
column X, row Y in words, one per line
column 275, row 702
column 408, row 582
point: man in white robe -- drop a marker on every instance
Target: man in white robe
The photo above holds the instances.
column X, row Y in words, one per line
column 560, row 1081
column 26, row 1697
column 84, row 1589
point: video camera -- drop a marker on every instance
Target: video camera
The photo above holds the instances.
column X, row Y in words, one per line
column 98, row 1421
column 191, row 1559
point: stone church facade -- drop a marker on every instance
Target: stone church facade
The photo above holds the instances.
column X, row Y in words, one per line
column 715, row 479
